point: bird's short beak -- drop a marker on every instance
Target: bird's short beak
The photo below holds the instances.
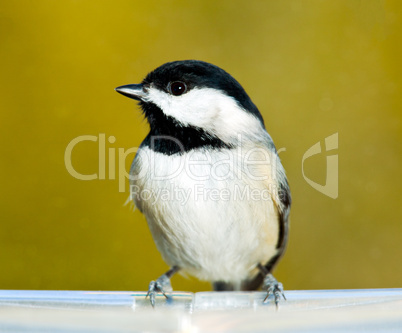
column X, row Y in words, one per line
column 134, row 91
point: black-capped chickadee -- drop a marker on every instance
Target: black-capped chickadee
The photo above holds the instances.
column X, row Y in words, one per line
column 209, row 180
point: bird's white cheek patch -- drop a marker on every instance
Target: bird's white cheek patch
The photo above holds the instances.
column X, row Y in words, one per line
column 207, row 108
column 196, row 107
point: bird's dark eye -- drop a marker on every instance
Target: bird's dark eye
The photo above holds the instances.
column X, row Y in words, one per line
column 177, row 88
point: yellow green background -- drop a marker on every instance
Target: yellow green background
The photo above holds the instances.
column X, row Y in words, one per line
column 313, row 68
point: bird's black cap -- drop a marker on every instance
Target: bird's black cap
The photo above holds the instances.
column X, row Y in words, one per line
column 201, row 74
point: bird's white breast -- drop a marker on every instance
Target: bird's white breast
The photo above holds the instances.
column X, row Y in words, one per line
column 208, row 215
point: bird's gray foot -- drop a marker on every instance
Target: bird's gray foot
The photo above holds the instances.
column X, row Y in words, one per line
column 273, row 287
column 161, row 285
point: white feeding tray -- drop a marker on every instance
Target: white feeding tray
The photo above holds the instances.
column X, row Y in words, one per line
column 376, row 310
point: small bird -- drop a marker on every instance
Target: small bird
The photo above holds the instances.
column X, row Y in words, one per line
column 209, row 180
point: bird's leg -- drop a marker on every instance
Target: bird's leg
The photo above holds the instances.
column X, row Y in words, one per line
column 161, row 285
column 271, row 285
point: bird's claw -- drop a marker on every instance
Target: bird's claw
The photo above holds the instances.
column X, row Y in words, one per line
column 273, row 287
column 161, row 285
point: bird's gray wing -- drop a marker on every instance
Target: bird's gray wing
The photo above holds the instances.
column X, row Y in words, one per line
column 282, row 200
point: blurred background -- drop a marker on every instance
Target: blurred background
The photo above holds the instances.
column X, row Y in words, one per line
column 313, row 68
